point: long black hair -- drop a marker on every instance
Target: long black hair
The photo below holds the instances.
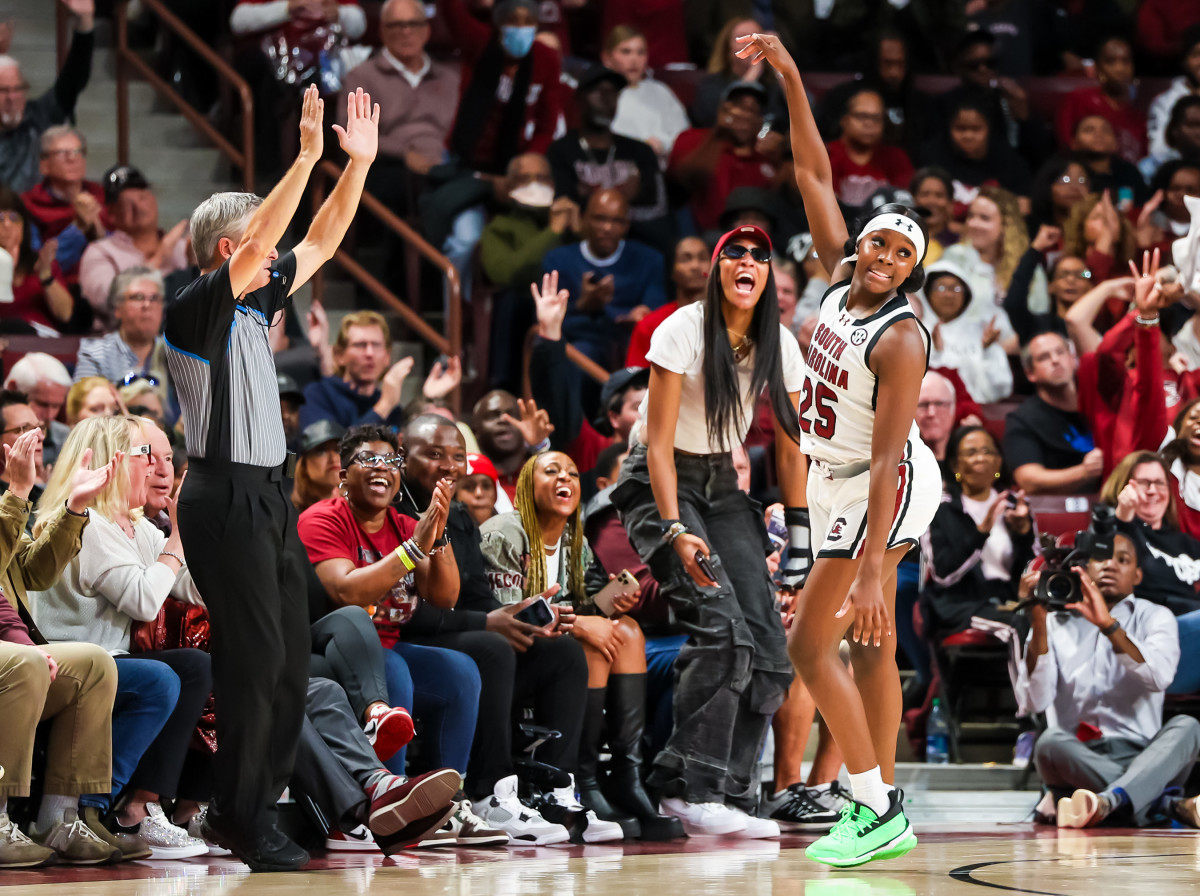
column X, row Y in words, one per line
column 723, row 399
column 26, row 258
column 916, row 279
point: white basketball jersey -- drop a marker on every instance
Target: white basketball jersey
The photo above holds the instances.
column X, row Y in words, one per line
column 837, row 403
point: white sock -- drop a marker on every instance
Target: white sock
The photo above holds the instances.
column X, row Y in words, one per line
column 53, row 809
column 3, row 805
column 868, row 788
column 819, row 788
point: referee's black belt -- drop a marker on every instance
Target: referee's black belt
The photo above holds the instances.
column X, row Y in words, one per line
column 248, row 472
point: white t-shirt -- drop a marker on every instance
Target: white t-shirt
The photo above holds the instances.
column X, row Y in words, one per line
column 554, row 562
column 996, row 558
column 678, row 346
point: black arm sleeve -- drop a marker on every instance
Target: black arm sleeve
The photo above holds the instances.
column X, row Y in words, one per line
column 76, row 70
column 550, row 380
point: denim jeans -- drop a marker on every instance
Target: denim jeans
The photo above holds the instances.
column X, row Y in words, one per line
column 660, row 687
column 147, row 691
column 733, row 671
column 908, row 576
column 441, row 690
column 1187, row 674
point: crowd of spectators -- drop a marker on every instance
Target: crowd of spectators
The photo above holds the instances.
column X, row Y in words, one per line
column 593, row 150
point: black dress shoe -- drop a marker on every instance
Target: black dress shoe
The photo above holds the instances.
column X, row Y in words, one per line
column 267, row 851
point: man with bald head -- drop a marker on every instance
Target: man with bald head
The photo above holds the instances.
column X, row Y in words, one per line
column 22, row 122
column 422, row 99
column 935, row 412
column 613, row 282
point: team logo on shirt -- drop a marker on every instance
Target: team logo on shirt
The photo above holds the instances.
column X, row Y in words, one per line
column 837, row 529
column 858, row 336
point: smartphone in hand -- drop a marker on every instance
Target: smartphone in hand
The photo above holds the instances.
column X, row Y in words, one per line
column 705, row 565
column 537, row 614
column 622, row 586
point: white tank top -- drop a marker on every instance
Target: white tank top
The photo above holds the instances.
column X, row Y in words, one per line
column 837, row 402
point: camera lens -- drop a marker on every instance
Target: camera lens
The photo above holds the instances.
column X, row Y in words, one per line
column 1059, row 587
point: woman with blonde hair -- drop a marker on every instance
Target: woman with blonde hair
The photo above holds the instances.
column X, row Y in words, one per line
column 92, row 396
column 125, row 570
column 539, row 548
column 724, row 68
column 1104, row 238
column 647, row 110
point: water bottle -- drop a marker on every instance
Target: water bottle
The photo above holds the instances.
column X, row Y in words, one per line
column 937, row 736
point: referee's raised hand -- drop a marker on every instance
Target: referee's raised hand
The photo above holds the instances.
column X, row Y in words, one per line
column 360, row 137
column 312, row 115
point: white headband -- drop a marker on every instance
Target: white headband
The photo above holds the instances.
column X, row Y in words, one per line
column 903, row 225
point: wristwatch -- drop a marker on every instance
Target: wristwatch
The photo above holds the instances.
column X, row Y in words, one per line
column 1111, row 629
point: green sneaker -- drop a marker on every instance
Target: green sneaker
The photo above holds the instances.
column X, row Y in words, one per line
column 861, row 835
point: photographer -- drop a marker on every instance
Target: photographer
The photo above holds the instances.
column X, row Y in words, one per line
column 1099, row 674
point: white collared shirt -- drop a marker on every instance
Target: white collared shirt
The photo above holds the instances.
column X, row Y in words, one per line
column 414, row 79
column 1082, row 679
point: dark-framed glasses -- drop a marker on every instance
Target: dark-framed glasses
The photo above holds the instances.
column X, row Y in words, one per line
column 737, row 250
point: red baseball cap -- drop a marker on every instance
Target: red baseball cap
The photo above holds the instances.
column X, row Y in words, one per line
column 479, row 465
column 746, row 231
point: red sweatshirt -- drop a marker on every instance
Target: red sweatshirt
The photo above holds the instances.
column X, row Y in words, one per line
column 1128, row 123
column 52, row 214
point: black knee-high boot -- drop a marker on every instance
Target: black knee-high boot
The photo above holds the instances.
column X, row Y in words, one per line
column 587, row 778
column 626, row 723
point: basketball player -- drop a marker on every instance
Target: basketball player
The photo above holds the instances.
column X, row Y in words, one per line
column 873, row 485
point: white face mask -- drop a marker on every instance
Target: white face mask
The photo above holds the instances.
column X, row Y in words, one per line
column 533, row 195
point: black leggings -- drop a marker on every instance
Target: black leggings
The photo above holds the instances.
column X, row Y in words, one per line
column 552, row 675
column 346, row 649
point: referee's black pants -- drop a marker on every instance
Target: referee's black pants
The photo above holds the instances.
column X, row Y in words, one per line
column 238, row 528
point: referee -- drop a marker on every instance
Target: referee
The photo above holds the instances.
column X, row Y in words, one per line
column 237, row 523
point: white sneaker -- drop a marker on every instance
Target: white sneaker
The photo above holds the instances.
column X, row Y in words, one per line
column 166, row 840
column 194, row 830
column 756, row 828
column 502, row 811
column 594, row 830
column 700, row 819
column 358, row 840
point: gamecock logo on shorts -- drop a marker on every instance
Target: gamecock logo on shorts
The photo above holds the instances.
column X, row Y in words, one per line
column 835, row 531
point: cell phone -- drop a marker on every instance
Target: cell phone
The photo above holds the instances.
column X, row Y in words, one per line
column 1011, row 500
column 705, row 565
column 623, row 585
column 537, row 614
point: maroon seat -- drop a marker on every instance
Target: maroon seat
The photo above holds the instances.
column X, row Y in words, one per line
column 65, row 348
column 1061, row 515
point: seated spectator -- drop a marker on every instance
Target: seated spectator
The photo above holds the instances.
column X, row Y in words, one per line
column 365, row 389
column 64, row 205
column 709, row 163
column 1163, row 26
column 135, row 299
column 18, row 418
column 143, row 397
column 41, row 303
column 1181, row 451
column 611, row 282
column 290, row 399
column 518, row 662
column 1183, row 135
column 662, row 22
column 422, row 97
column 22, row 123
column 936, row 415
column 789, row 284
column 1047, row 441
column 368, row 555
column 1099, row 234
column 45, row 382
column 479, row 490
column 125, row 570
column 932, row 190
column 136, row 241
column 71, row 684
column 593, row 158
column 861, row 161
column 1162, row 109
column 1102, row 670
column 973, row 155
column 1061, row 182
column 540, row 549
column 994, row 239
column 318, row 464
column 1109, row 99
column 1070, row 278
column 725, row 67
column 980, row 540
column 968, row 344
column 91, row 396
column 1172, row 182
column 1095, row 142
column 647, row 110
column 509, row 430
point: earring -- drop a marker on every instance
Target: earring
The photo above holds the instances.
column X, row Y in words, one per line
column 342, row 489
column 958, row 477
column 997, row 474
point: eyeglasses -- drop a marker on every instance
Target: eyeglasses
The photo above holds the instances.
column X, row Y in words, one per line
column 946, row 287
column 10, row 217
column 1063, row 274
column 1151, row 484
column 22, row 429
column 139, row 450
column 972, row 453
column 737, row 250
column 134, row 376
column 407, row 24
column 934, row 405
column 74, row 152
column 1068, row 180
column 145, row 298
column 373, row 461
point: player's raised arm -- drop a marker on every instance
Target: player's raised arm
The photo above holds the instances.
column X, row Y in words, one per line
column 814, row 175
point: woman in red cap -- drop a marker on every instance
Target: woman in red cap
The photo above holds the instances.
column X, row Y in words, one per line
column 873, row 485
column 702, row 537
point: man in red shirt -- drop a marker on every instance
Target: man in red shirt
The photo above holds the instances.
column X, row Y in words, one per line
column 711, row 162
column 1110, row 99
column 861, row 161
column 689, row 273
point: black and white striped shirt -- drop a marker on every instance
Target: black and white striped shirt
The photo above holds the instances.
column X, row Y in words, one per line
column 222, row 367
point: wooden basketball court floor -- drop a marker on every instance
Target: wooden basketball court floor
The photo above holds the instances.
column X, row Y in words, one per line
column 952, row 858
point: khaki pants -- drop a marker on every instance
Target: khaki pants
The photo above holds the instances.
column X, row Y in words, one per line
column 79, row 700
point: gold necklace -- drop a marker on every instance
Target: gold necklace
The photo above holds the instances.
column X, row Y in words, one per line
column 745, row 341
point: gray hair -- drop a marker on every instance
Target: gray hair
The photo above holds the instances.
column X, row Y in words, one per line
column 933, row 377
column 220, row 215
column 57, row 132
column 121, row 283
column 34, row 368
column 7, row 61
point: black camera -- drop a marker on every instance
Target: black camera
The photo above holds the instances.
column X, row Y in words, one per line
column 1059, row 585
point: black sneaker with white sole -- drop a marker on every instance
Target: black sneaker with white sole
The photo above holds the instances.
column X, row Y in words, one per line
column 810, row 809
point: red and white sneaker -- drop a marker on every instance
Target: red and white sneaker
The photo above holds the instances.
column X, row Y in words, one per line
column 357, row 840
column 388, row 728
